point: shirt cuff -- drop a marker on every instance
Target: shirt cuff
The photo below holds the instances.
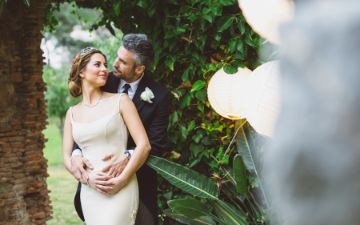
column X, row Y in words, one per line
column 76, row 152
column 129, row 153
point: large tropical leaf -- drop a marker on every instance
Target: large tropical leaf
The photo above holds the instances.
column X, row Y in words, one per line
column 240, row 175
column 246, row 148
column 249, row 145
column 184, row 178
column 185, row 220
column 228, row 214
column 192, row 209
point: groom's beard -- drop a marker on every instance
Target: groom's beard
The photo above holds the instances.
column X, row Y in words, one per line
column 116, row 73
column 128, row 77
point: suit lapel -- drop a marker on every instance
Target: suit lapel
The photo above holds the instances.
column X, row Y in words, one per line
column 136, row 99
column 116, row 84
column 112, row 84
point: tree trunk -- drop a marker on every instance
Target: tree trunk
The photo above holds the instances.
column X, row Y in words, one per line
column 23, row 191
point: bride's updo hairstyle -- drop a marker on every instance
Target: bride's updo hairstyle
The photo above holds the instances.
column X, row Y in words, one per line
column 79, row 62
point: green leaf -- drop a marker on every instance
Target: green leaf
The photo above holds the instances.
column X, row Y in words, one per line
column 200, row 106
column 184, row 132
column 249, row 41
column 191, row 208
column 197, row 137
column 169, row 62
column 247, row 145
column 208, row 18
column 226, row 23
column 240, row 175
column 185, row 220
column 201, row 96
column 185, row 75
column 217, row 37
column 197, row 150
column 142, row 4
column 198, row 85
column 180, row 30
column 228, row 214
column 217, row 11
column 232, row 44
column 182, row 177
column 174, row 118
column 229, row 69
column 241, row 26
column 226, row 2
column 240, row 48
column 117, row 8
column 191, row 126
column 245, row 149
column 186, row 101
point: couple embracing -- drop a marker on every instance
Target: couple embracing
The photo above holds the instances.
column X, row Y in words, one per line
column 123, row 116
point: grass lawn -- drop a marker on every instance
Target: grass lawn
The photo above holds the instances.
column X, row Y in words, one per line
column 61, row 184
column 53, row 146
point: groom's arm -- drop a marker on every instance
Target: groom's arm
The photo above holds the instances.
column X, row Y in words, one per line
column 157, row 129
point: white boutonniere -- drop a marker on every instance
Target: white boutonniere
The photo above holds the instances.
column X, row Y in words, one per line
column 147, row 95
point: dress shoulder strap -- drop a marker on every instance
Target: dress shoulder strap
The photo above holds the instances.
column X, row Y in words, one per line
column 119, row 101
column 71, row 114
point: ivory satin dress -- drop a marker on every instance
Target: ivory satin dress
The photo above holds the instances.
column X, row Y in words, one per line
column 103, row 136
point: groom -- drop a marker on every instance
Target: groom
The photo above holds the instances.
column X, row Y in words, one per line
column 152, row 101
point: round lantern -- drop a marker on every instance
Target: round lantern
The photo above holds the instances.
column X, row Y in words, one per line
column 265, row 16
column 265, row 102
column 228, row 94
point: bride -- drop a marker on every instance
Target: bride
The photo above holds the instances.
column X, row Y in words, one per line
column 99, row 124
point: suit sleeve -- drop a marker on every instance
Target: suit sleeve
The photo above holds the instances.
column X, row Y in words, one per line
column 75, row 146
column 157, row 129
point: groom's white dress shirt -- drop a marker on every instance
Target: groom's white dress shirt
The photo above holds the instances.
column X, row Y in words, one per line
column 133, row 87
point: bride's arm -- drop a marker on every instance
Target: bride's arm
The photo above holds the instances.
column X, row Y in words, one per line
column 137, row 131
column 68, row 142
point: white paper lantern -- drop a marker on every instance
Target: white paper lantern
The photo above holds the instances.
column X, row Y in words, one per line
column 266, row 16
column 265, row 98
column 228, row 93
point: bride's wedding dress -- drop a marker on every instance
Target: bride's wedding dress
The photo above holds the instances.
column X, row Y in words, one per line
column 105, row 135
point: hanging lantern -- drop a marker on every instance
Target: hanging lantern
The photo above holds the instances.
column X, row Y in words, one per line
column 265, row 98
column 266, row 16
column 228, row 93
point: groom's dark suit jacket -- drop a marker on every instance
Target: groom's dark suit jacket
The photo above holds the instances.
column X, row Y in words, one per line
column 155, row 118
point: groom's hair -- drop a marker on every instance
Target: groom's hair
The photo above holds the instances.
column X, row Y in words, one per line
column 141, row 46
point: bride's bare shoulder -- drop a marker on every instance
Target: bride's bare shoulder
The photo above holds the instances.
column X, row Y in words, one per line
column 109, row 95
column 75, row 107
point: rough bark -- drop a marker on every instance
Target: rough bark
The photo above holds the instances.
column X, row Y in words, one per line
column 23, row 169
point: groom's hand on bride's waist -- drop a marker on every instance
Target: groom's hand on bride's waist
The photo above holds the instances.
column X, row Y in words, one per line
column 116, row 164
column 79, row 165
column 108, row 185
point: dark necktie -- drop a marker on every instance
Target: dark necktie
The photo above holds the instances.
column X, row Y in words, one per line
column 126, row 88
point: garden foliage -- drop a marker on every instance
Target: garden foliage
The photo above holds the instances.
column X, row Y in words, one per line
column 192, row 40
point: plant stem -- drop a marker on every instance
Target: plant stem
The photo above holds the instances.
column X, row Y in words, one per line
column 242, row 122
